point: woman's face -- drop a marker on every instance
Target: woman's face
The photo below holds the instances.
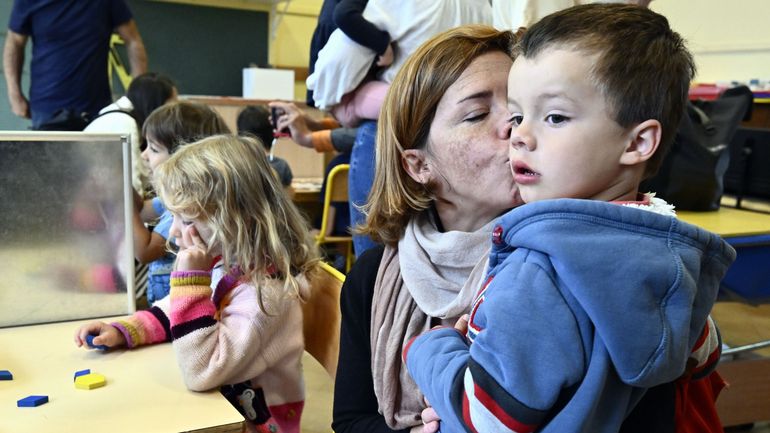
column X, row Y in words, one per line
column 467, row 152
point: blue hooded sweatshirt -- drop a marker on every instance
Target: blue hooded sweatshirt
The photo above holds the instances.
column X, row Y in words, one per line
column 586, row 304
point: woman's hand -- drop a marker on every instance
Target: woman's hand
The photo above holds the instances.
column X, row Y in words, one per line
column 105, row 335
column 193, row 253
column 462, row 324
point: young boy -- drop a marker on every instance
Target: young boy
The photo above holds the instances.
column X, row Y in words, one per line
column 587, row 302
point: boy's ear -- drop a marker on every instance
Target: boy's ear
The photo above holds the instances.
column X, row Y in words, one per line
column 643, row 141
column 413, row 161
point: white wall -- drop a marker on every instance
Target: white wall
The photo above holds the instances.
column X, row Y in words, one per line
column 730, row 40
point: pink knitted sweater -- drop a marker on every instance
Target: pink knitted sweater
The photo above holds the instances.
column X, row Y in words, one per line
column 222, row 338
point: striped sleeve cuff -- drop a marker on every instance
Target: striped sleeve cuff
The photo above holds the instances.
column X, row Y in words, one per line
column 144, row 327
column 191, row 304
column 487, row 406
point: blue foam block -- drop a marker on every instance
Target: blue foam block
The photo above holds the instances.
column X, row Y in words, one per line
column 5, row 375
column 81, row 373
column 32, row 401
column 90, row 342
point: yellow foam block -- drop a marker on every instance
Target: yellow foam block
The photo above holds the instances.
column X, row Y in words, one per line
column 90, row 381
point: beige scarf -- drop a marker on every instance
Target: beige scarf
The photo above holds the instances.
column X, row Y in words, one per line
column 430, row 275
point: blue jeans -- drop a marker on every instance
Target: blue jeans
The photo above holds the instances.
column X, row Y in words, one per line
column 360, row 180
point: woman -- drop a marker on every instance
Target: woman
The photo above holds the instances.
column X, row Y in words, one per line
column 126, row 116
column 442, row 177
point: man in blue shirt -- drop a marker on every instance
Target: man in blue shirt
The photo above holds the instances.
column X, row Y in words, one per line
column 70, row 44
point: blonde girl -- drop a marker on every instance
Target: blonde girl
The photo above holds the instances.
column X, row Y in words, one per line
column 244, row 262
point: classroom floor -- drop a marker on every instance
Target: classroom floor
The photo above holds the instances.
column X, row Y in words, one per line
column 756, row 428
column 319, row 389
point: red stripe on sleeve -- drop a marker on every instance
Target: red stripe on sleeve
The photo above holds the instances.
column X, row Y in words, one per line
column 492, row 406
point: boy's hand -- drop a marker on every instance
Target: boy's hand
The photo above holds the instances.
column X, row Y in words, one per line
column 462, row 324
column 193, row 253
column 106, row 335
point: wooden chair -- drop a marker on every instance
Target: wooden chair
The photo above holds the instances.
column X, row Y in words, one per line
column 336, row 191
column 321, row 318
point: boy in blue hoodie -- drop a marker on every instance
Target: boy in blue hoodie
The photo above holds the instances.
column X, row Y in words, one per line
column 594, row 292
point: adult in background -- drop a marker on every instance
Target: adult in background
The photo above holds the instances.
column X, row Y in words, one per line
column 127, row 115
column 70, row 43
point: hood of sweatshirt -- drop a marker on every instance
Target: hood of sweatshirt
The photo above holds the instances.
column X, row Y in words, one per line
column 646, row 281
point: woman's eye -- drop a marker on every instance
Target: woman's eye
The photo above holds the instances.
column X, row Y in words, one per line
column 476, row 117
column 556, row 118
column 186, row 223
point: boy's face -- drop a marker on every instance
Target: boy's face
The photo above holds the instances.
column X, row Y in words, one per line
column 564, row 142
column 154, row 154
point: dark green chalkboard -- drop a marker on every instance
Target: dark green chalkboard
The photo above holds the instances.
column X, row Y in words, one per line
column 203, row 49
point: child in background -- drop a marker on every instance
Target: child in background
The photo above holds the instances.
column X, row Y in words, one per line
column 254, row 120
column 127, row 115
column 587, row 303
column 165, row 129
column 245, row 259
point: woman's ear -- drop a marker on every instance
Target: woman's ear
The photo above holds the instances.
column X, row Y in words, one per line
column 643, row 142
column 413, row 161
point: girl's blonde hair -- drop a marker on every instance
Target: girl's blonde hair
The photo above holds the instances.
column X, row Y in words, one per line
column 405, row 121
column 227, row 182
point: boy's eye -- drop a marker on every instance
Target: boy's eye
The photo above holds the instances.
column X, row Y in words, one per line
column 516, row 119
column 186, row 223
column 556, row 118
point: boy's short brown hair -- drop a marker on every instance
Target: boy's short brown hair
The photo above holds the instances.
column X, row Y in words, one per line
column 643, row 67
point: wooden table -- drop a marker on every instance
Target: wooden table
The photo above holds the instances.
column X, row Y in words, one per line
column 144, row 390
column 729, row 222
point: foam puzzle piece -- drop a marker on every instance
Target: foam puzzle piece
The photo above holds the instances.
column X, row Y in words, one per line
column 90, row 342
column 32, row 401
column 5, row 375
column 90, row 381
column 81, row 373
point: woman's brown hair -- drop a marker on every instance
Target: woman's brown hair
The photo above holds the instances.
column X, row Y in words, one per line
column 405, row 121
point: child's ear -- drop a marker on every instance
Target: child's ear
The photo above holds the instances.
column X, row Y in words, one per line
column 413, row 161
column 643, row 141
